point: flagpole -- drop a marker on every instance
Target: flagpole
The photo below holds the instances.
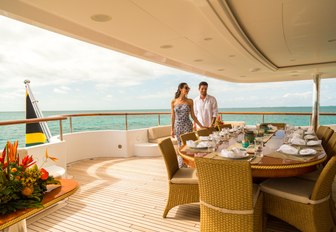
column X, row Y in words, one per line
column 38, row 112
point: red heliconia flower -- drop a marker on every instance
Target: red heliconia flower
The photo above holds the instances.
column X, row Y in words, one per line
column 44, row 174
column 27, row 161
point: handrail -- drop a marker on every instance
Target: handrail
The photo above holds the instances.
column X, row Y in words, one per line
column 37, row 120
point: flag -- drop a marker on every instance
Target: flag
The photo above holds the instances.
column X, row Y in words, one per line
column 34, row 132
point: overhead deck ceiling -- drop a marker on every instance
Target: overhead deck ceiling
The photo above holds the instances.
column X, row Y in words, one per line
column 232, row 40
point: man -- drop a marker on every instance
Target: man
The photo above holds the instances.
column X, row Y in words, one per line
column 205, row 106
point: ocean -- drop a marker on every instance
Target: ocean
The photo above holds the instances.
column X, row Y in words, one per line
column 17, row 132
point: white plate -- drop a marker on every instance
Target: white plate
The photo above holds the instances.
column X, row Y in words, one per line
column 309, row 132
column 232, row 155
column 307, row 151
column 314, row 143
column 310, row 137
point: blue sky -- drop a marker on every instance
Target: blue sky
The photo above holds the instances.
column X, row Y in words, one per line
column 67, row 74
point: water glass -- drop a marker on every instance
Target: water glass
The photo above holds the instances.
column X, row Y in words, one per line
column 258, row 146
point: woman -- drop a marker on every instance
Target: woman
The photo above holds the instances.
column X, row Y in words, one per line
column 181, row 108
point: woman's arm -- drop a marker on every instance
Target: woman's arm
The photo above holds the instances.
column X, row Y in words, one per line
column 172, row 132
column 191, row 104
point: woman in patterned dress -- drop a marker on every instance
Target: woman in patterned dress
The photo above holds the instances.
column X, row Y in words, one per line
column 181, row 108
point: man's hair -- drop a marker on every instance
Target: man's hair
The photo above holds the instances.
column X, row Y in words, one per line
column 202, row 83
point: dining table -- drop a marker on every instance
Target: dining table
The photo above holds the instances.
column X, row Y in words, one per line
column 271, row 164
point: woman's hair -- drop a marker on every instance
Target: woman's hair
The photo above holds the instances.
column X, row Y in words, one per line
column 180, row 86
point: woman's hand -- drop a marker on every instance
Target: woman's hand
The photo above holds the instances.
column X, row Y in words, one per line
column 172, row 133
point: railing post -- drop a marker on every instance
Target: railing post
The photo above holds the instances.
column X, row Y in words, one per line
column 126, row 121
column 61, row 130
column 70, row 121
column 159, row 119
column 263, row 118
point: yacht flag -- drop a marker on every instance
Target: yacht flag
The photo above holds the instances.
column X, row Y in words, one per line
column 36, row 133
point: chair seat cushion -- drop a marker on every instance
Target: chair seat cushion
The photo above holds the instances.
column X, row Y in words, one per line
column 292, row 188
column 312, row 176
column 185, row 176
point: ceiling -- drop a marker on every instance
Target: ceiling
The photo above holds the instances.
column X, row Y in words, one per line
column 238, row 41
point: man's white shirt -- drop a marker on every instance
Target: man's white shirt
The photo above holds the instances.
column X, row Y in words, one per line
column 205, row 109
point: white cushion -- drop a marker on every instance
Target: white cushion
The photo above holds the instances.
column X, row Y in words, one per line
column 185, row 176
column 295, row 189
column 158, row 132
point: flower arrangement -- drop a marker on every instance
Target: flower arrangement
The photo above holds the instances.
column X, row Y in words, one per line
column 219, row 122
column 22, row 183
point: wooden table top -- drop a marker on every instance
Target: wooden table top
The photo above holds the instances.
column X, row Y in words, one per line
column 67, row 188
column 268, row 165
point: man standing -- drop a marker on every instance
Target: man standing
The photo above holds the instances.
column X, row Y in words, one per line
column 205, row 106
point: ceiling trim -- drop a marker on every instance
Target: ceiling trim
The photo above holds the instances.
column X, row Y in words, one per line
column 225, row 15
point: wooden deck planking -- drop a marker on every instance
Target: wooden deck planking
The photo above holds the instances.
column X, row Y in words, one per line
column 126, row 194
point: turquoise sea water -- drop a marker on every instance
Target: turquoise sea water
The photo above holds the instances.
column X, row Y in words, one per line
column 17, row 132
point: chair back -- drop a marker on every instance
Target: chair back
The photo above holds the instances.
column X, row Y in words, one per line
column 323, row 185
column 329, row 148
column 169, row 155
column 225, row 183
column 227, row 126
column 188, row 136
column 326, row 136
column 206, row 131
column 320, row 131
column 279, row 125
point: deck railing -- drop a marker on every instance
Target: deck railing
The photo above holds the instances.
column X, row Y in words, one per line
column 127, row 114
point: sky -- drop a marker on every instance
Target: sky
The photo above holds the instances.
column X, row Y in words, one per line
column 68, row 74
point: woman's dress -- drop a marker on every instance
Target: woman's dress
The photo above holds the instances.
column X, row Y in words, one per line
column 183, row 123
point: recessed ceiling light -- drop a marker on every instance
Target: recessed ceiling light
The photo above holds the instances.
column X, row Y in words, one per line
column 101, row 18
column 231, row 56
column 220, row 69
column 242, row 76
column 292, row 60
column 332, row 40
column 254, row 69
column 294, row 75
column 207, row 38
column 166, row 46
column 198, row 60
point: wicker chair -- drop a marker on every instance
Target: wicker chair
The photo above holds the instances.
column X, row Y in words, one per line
column 302, row 203
column 188, row 136
column 329, row 147
column 326, row 136
column 183, row 182
column 206, row 131
column 229, row 200
column 320, row 131
column 226, row 126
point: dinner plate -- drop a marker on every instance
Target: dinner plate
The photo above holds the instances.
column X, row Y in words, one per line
column 310, row 137
column 314, row 142
column 204, row 138
column 307, row 151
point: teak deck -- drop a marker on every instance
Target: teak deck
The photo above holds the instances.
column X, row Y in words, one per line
column 123, row 194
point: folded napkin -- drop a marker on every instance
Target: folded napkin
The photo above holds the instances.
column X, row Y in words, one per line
column 309, row 132
column 204, row 138
column 314, row 142
column 191, row 143
column 288, row 149
column 297, row 141
column 310, row 137
column 296, row 135
column 202, row 144
column 235, row 153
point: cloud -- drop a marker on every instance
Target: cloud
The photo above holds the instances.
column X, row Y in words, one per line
column 62, row 90
column 301, row 95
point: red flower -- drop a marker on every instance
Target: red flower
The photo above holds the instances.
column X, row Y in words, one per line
column 27, row 161
column 44, row 174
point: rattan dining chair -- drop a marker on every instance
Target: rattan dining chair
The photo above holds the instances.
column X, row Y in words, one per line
column 326, row 136
column 188, row 136
column 302, row 203
column 206, row 131
column 320, row 131
column 229, row 201
column 225, row 126
column 183, row 182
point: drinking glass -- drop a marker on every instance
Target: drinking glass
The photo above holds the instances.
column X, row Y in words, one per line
column 258, row 146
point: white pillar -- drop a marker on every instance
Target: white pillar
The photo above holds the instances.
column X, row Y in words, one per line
column 316, row 102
